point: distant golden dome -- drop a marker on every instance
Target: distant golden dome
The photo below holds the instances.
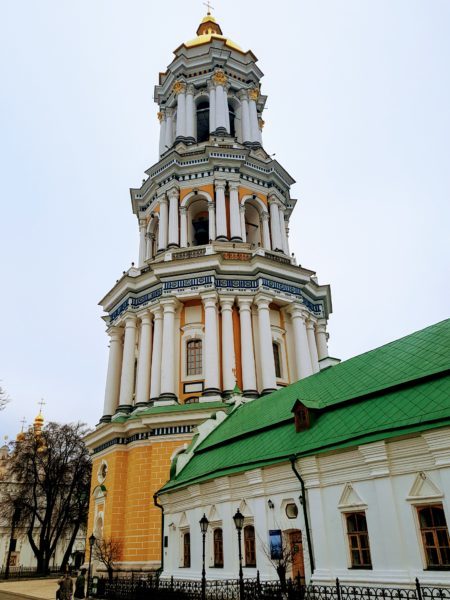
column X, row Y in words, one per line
column 20, row 437
column 209, row 30
column 38, row 422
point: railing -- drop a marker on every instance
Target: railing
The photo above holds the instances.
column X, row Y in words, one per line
column 28, row 572
column 152, row 588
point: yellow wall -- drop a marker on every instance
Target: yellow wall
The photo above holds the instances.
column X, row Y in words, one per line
column 134, row 475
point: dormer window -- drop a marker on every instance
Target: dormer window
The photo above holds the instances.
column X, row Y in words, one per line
column 302, row 416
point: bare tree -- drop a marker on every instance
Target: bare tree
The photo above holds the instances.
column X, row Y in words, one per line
column 47, row 485
column 4, row 398
column 282, row 557
column 107, row 551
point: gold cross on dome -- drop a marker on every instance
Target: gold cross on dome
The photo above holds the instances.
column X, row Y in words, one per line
column 41, row 404
column 209, row 6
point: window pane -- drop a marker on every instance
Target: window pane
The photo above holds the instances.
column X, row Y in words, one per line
column 276, row 357
column 194, row 357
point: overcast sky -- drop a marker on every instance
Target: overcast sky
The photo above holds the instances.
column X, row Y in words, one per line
column 357, row 112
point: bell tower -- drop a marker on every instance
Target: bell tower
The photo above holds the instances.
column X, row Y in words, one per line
column 217, row 309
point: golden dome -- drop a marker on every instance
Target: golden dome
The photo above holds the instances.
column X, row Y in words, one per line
column 208, row 30
column 38, row 422
column 20, row 437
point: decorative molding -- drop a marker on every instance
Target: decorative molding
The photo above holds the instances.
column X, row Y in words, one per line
column 423, row 489
column 158, row 431
column 350, row 499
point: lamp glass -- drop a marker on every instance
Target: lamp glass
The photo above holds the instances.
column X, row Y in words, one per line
column 92, row 539
column 238, row 520
column 204, row 524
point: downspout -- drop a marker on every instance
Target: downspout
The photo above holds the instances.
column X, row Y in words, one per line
column 304, row 501
column 155, row 501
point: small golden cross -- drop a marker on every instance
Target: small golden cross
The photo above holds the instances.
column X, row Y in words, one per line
column 209, row 6
column 41, row 404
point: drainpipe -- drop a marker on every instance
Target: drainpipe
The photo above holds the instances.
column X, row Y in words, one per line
column 304, row 501
column 155, row 501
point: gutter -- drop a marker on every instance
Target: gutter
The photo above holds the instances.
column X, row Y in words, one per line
column 304, row 502
column 160, row 506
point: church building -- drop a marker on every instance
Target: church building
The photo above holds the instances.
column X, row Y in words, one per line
column 216, row 310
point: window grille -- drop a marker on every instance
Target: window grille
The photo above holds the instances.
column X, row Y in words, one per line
column 194, row 357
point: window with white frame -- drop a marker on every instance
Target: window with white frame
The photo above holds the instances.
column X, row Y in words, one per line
column 435, row 536
column 194, row 357
column 358, row 540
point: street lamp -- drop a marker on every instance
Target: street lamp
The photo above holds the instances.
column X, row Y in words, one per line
column 204, row 528
column 239, row 522
column 92, row 539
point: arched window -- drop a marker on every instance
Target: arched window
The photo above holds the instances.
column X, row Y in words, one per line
column 187, row 550
column 232, row 120
column 358, row 540
column 249, row 546
column 203, row 121
column 277, row 359
column 435, row 537
column 218, row 548
column 194, row 357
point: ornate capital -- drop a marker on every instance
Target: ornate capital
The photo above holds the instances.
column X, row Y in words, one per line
column 219, row 77
column 253, row 94
column 242, row 95
column 160, row 116
column 261, row 123
column 130, row 320
column 226, row 302
column 173, row 193
column 190, row 89
column 209, row 300
column 179, row 87
column 219, row 184
column 244, row 303
column 262, row 301
column 145, row 317
column 234, row 185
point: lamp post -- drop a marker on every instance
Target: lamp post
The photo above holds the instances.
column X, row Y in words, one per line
column 239, row 523
column 204, row 528
column 92, row 539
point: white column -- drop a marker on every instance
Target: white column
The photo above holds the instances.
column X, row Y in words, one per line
column 221, row 214
column 321, row 339
column 235, row 218
column 245, row 116
column 179, row 89
column 269, row 380
column 162, row 133
column 302, row 355
column 275, row 224
column 242, row 215
column 283, row 230
column 144, row 358
column 169, row 129
column 190, row 113
column 113, row 376
column 228, row 358
column 212, row 107
column 265, row 230
column 173, row 218
column 247, row 353
column 128, row 364
column 226, row 109
column 220, row 112
column 212, row 220
column 211, row 352
column 168, row 354
column 255, row 132
column 142, row 242
column 155, row 382
column 163, row 222
column 312, row 345
column 183, row 227
column 150, row 238
column 286, row 228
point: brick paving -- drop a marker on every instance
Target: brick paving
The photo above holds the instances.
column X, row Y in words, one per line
column 36, row 589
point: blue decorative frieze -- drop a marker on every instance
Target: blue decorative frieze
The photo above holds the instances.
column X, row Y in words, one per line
column 146, row 298
column 246, row 284
column 122, row 308
column 180, row 284
column 282, row 287
column 317, row 308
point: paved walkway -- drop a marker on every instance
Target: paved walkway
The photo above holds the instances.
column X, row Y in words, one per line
column 37, row 589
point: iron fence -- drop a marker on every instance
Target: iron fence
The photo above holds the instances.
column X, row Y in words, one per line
column 152, row 588
column 27, row 572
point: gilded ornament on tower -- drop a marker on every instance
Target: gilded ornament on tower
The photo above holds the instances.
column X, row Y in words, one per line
column 219, row 78
column 179, row 87
column 253, row 94
column 160, row 116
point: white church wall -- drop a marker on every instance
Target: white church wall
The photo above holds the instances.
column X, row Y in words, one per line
column 377, row 479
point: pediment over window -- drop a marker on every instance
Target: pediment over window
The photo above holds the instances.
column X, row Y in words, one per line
column 423, row 488
column 183, row 521
column 350, row 499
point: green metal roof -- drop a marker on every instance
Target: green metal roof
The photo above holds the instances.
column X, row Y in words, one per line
column 398, row 388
